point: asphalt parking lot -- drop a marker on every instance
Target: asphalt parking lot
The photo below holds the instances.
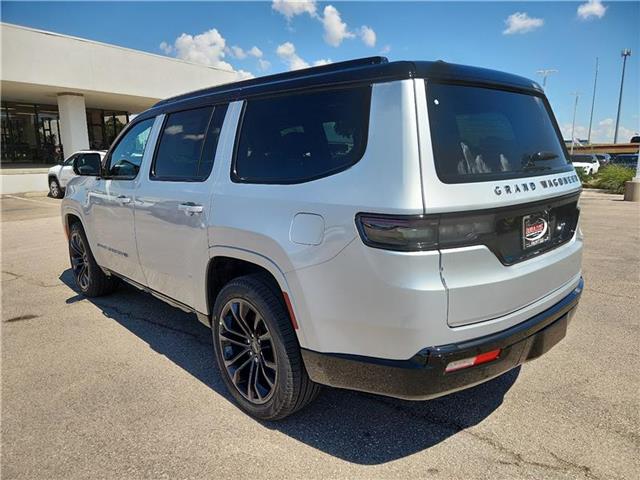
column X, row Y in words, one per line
column 123, row 386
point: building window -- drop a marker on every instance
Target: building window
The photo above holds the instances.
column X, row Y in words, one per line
column 30, row 133
column 104, row 126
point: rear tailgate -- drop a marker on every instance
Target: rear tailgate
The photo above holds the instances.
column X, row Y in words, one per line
column 500, row 276
column 499, row 160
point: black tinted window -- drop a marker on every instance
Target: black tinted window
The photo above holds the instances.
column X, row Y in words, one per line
column 211, row 142
column 582, row 158
column 480, row 134
column 180, row 147
column 295, row 138
column 127, row 155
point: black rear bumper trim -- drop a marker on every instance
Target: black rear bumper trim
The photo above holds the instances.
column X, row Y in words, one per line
column 423, row 375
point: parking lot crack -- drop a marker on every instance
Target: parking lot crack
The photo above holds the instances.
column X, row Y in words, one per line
column 31, row 281
column 521, row 461
column 517, row 458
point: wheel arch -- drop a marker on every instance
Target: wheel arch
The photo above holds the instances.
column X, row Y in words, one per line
column 227, row 263
column 69, row 218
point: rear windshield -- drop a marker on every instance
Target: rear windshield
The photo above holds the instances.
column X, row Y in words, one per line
column 481, row 134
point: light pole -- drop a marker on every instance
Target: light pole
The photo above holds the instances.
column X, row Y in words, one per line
column 625, row 53
column 573, row 124
column 545, row 73
column 593, row 102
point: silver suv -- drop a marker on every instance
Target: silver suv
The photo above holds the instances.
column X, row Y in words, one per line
column 406, row 228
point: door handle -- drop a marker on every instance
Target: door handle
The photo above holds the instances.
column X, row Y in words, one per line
column 190, row 208
column 123, row 199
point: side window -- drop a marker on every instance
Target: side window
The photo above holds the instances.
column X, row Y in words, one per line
column 126, row 157
column 69, row 161
column 300, row 137
column 178, row 152
column 211, row 142
column 187, row 147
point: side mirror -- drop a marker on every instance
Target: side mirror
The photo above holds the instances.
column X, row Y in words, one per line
column 87, row 166
column 87, row 171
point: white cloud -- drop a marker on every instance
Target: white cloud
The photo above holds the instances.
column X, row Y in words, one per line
column 368, row 36
column 287, row 53
column 322, row 61
column 521, row 22
column 244, row 75
column 263, row 64
column 208, row 48
column 601, row 132
column 255, row 52
column 237, row 52
column 166, row 48
column 291, row 8
column 335, row 30
column 591, row 9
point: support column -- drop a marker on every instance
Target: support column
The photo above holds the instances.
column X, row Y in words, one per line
column 73, row 123
column 632, row 188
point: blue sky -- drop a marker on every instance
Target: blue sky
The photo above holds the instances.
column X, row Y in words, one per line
column 553, row 35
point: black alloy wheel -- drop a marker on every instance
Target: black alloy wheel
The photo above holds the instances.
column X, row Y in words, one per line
column 90, row 278
column 79, row 260
column 247, row 350
column 256, row 349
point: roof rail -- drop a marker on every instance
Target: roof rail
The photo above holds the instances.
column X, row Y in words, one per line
column 329, row 68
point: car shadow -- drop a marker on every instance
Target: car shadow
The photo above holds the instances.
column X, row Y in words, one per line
column 356, row 427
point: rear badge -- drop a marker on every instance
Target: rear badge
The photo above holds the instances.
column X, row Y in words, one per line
column 535, row 229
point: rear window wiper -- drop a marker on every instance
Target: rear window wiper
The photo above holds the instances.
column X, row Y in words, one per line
column 539, row 156
column 530, row 161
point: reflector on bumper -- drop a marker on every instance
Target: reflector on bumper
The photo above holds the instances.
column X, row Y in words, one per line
column 472, row 361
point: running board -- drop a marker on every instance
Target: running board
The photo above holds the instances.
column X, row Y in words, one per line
column 202, row 317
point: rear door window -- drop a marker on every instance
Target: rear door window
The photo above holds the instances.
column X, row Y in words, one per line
column 480, row 134
column 188, row 144
column 301, row 137
column 180, row 146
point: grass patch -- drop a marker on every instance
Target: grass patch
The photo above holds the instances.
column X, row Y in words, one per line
column 610, row 178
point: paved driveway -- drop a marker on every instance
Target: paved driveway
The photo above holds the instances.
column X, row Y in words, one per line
column 123, row 386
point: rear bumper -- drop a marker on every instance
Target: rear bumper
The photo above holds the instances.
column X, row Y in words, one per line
column 423, row 375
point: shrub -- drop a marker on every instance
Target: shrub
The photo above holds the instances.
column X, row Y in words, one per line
column 612, row 177
column 584, row 178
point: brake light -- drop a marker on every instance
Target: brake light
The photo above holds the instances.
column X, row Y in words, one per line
column 423, row 232
column 472, row 361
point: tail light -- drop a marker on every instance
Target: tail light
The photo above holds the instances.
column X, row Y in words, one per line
column 423, row 232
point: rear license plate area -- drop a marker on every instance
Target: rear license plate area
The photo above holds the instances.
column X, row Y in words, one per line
column 535, row 229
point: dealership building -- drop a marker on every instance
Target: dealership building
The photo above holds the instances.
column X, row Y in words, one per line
column 61, row 94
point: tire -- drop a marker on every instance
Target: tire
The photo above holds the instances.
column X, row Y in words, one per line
column 265, row 373
column 55, row 189
column 89, row 277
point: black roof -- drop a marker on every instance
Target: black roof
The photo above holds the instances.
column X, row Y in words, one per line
column 362, row 70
